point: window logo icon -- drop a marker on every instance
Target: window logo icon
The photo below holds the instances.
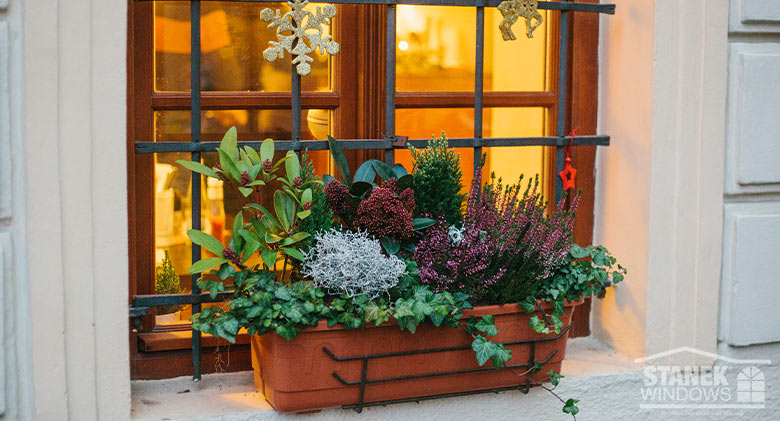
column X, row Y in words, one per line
column 750, row 385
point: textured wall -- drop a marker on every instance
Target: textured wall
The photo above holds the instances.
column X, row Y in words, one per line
column 16, row 401
column 751, row 248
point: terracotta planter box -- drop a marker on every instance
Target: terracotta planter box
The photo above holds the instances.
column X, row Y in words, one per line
column 308, row 373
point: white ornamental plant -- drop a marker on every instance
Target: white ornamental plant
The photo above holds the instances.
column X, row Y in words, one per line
column 351, row 263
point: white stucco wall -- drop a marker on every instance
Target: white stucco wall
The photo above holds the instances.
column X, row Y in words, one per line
column 16, row 389
column 75, row 174
column 659, row 198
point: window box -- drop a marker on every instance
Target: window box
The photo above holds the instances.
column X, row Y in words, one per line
column 323, row 366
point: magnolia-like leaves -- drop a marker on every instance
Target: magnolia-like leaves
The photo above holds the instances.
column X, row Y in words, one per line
column 206, row 264
column 340, row 159
column 198, row 168
column 206, row 241
column 293, row 166
column 267, row 150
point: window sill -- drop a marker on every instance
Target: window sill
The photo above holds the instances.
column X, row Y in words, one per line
column 232, row 396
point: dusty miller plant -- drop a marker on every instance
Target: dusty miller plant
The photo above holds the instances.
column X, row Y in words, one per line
column 351, row 263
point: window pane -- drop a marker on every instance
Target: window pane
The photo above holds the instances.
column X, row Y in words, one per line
column 174, row 126
column 424, row 123
column 436, row 47
column 510, row 162
column 233, row 38
column 519, row 65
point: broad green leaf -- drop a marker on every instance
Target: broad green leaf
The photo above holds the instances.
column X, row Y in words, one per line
column 390, row 246
column 206, row 264
column 298, row 236
column 295, row 254
column 365, row 172
column 326, row 178
column 253, row 156
column 384, row 170
column 359, row 188
column 238, row 225
column 269, row 258
column 206, row 241
column 228, row 165
column 304, row 214
column 267, row 150
column 405, row 182
column 229, row 142
column 306, row 196
column 284, row 206
column 292, row 165
column 246, row 191
column 340, row 159
column 198, row 168
column 399, row 171
column 422, row 223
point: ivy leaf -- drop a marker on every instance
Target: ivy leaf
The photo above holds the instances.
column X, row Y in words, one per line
column 286, row 332
column 206, row 241
column 528, row 304
column 578, row 252
column 283, row 293
column 501, row 356
column 555, row 378
column 571, row 407
column 226, row 271
column 557, row 323
column 375, row 313
column 206, row 264
column 487, row 325
column 558, row 308
column 483, row 349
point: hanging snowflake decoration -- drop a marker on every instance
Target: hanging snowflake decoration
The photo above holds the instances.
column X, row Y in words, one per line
column 300, row 33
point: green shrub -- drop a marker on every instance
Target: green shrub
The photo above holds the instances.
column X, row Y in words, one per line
column 321, row 218
column 438, row 181
column 166, row 281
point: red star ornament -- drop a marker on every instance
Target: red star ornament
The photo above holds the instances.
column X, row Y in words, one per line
column 568, row 174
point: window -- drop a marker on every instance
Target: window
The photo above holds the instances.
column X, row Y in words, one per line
column 343, row 96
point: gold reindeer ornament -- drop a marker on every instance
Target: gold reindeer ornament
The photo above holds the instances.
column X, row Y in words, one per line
column 512, row 10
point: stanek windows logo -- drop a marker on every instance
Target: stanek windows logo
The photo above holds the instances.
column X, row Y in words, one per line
column 729, row 384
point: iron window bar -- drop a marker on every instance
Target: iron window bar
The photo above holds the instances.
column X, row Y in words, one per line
column 365, row 380
column 388, row 144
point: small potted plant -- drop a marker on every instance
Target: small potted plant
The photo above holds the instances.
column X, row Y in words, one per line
column 387, row 286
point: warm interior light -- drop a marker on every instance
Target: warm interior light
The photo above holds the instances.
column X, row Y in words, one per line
column 403, row 45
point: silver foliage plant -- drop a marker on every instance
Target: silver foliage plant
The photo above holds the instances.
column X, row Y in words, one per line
column 351, row 263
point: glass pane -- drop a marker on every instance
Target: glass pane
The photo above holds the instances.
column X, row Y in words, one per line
column 174, row 126
column 233, row 38
column 424, row 123
column 519, row 65
column 436, row 49
column 510, row 162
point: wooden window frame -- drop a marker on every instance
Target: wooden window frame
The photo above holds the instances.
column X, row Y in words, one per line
column 358, row 112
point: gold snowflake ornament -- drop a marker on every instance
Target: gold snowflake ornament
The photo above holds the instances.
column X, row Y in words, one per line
column 300, row 33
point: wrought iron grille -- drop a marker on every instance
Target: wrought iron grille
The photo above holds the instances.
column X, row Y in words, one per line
column 141, row 303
